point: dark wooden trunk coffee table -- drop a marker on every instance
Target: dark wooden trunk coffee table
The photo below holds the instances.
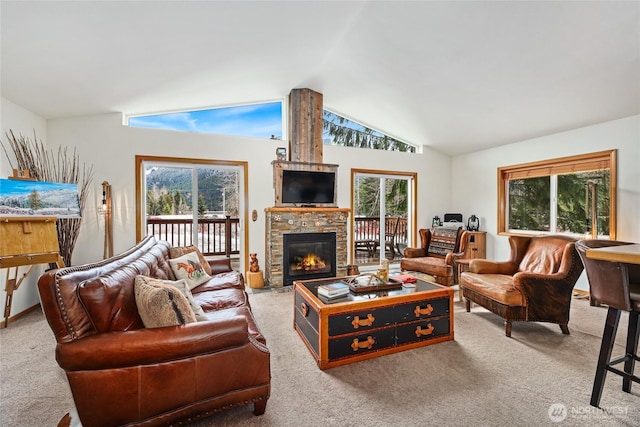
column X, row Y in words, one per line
column 362, row 326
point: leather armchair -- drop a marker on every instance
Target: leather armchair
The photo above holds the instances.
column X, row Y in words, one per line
column 534, row 284
column 434, row 256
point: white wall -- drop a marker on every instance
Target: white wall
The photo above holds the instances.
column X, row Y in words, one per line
column 474, row 176
column 21, row 122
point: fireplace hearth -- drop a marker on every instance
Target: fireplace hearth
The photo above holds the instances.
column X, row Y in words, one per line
column 308, row 256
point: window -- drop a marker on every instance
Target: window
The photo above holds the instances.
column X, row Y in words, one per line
column 265, row 121
column 193, row 202
column 571, row 195
column 258, row 120
column 338, row 130
column 383, row 222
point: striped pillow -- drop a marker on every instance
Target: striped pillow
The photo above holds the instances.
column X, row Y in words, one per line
column 443, row 240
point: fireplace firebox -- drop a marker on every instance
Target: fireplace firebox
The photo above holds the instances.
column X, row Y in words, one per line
column 308, row 256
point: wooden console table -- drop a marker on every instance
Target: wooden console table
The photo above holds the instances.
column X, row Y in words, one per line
column 26, row 241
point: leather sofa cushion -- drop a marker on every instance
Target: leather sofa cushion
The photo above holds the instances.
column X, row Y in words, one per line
column 234, row 312
column 428, row 264
column 230, row 279
column 498, row 287
column 110, row 301
column 542, row 257
column 219, row 299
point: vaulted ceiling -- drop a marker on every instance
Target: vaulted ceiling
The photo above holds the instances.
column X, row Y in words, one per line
column 457, row 76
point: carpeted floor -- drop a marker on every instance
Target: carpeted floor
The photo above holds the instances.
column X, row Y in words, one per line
column 538, row 377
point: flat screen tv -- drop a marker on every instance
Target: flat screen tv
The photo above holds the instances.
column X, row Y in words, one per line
column 308, row 187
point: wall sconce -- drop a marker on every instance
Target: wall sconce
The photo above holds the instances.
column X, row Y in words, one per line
column 108, row 220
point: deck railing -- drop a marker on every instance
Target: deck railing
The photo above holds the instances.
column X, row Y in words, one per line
column 366, row 233
column 221, row 236
column 216, row 236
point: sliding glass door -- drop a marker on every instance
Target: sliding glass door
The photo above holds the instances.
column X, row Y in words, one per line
column 383, row 205
column 198, row 203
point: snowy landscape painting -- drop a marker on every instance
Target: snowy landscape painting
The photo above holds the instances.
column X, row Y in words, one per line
column 38, row 198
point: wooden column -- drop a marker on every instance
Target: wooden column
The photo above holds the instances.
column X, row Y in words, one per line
column 305, row 126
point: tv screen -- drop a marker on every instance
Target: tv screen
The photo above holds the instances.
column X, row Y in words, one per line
column 307, row 187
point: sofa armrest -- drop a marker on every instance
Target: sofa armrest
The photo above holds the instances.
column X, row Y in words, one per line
column 485, row 266
column 547, row 295
column 414, row 252
column 154, row 345
column 221, row 265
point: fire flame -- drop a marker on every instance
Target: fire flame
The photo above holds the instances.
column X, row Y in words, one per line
column 310, row 262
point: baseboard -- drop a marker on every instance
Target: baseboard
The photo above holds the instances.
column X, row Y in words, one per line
column 19, row 315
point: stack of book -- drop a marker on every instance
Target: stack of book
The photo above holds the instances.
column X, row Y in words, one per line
column 333, row 290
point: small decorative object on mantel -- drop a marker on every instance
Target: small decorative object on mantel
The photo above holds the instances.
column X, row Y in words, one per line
column 254, row 275
column 281, row 153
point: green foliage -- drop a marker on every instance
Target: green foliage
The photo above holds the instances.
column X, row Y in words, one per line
column 530, row 203
column 367, row 197
column 346, row 133
column 169, row 191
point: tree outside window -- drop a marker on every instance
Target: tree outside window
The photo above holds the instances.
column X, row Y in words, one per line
column 567, row 195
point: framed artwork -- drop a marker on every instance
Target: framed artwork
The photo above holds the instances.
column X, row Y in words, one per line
column 20, row 197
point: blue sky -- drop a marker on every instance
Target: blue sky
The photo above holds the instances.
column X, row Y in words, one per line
column 259, row 120
column 22, row 187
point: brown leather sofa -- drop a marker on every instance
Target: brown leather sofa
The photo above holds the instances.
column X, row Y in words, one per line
column 434, row 256
column 122, row 373
column 534, row 285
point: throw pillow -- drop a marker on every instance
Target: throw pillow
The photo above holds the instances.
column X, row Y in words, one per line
column 182, row 250
column 183, row 287
column 443, row 240
column 188, row 267
column 161, row 305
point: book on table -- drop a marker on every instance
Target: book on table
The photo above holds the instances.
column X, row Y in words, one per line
column 405, row 278
column 333, row 290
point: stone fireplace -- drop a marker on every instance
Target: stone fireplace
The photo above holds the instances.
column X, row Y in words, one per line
column 297, row 224
column 308, row 256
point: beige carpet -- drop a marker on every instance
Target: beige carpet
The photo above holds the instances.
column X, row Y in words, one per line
column 481, row 379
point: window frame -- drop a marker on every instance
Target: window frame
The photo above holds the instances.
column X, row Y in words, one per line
column 572, row 164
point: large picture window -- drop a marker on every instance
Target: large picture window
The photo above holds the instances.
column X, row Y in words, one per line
column 570, row 195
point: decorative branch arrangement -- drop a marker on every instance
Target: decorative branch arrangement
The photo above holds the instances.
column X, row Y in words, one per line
column 63, row 167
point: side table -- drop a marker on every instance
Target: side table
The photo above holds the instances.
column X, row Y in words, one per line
column 459, row 266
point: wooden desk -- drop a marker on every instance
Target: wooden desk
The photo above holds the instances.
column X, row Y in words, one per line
column 625, row 253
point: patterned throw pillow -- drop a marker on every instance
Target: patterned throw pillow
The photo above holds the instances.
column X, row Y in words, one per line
column 443, row 240
column 161, row 305
column 183, row 250
column 188, row 267
column 183, row 287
